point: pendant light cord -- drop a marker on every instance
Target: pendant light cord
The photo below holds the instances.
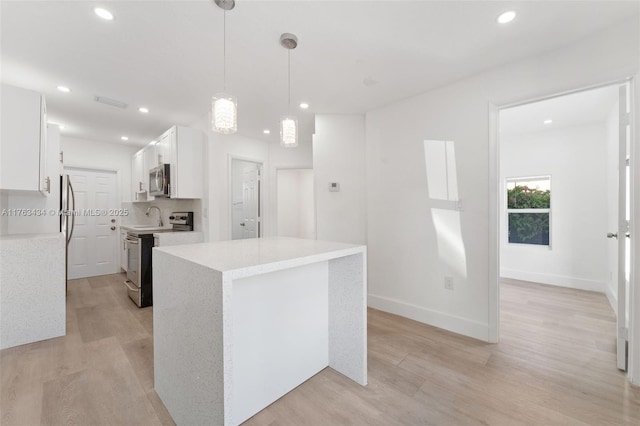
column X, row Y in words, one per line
column 289, row 58
column 224, row 49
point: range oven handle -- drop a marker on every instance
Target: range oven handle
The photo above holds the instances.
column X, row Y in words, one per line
column 126, row 284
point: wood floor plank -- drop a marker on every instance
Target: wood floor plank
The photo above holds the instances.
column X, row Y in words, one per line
column 555, row 365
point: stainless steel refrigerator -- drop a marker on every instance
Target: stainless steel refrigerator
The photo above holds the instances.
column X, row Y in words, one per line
column 67, row 217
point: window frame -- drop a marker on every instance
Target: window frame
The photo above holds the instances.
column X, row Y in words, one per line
column 507, row 210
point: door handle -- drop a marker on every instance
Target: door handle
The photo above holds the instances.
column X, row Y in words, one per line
column 113, row 228
column 612, row 235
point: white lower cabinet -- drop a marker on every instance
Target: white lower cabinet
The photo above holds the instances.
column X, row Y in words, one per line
column 32, row 295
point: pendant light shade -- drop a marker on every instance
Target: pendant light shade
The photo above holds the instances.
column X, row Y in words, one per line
column 288, row 131
column 224, row 107
column 224, row 113
column 288, row 122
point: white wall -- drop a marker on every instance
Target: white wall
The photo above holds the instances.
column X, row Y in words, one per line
column 219, row 149
column 575, row 158
column 4, row 219
column 280, row 158
column 612, row 148
column 137, row 212
column 295, row 203
column 103, row 156
column 338, row 156
column 406, row 270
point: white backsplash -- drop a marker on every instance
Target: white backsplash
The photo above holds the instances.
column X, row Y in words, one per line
column 137, row 212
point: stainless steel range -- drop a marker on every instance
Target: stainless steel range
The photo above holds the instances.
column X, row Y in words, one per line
column 139, row 242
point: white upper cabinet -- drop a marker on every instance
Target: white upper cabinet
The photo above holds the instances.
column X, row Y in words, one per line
column 187, row 179
column 164, row 146
column 150, row 161
column 137, row 177
column 181, row 148
column 23, row 141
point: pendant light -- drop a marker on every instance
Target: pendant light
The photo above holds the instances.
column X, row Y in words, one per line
column 224, row 107
column 288, row 122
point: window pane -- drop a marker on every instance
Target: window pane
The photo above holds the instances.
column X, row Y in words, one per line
column 529, row 228
column 529, row 194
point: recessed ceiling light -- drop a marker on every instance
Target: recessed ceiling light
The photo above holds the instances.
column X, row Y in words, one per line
column 506, row 17
column 143, row 110
column 61, row 126
column 64, row 89
column 548, row 121
column 124, row 138
column 103, row 13
column 304, row 105
column 266, row 131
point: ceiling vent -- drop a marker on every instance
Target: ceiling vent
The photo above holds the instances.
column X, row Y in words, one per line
column 110, row 102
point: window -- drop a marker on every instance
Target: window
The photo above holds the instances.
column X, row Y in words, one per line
column 529, row 210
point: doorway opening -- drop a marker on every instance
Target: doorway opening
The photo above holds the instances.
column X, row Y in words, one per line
column 295, row 209
column 93, row 243
column 246, row 199
column 562, row 193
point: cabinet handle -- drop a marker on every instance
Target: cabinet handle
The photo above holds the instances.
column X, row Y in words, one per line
column 47, row 183
column 62, row 156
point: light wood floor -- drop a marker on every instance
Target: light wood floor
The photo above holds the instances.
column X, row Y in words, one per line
column 555, row 365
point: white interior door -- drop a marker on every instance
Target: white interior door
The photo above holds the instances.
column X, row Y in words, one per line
column 245, row 199
column 93, row 246
column 250, row 201
column 624, row 217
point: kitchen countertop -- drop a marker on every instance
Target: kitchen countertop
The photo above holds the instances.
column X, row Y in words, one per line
column 244, row 258
column 300, row 304
column 164, row 239
column 11, row 237
column 146, row 228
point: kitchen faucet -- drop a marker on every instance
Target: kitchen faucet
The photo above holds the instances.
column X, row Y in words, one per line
column 159, row 214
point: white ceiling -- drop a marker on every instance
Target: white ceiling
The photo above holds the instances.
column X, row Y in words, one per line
column 353, row 56
column 590, row 106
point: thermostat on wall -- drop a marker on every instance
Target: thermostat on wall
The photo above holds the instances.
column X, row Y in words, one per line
column 334, row 187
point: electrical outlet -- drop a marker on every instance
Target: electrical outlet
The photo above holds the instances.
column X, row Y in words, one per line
column 448, row 283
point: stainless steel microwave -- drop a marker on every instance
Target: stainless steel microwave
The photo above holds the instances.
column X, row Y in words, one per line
column 160, row 181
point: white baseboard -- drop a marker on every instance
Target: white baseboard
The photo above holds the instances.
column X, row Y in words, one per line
column 557, row 280
column 456, row 324
column 613, row 299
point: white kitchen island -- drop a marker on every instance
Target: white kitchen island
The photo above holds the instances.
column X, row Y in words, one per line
column 238, row 324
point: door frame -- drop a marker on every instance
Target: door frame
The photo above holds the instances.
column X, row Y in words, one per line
column 633, row 371
column 118, row 173
column 275, row 197
column 261, row 201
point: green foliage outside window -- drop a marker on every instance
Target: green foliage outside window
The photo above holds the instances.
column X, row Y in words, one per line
column 523, row 197
column 528, row 228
